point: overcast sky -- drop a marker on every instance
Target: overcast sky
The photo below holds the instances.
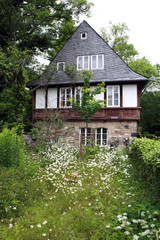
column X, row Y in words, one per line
column 142, row 18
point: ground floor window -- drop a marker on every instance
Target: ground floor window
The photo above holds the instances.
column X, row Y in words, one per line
column 101, row 136
column 98, row 136
column 86, row 136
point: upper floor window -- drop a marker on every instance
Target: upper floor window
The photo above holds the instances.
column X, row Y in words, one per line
column 60, row 66
column 90, row 62
column 97, row 62
column 83, row 35
column 65, row 97
column 113, row 96
column 78, row 95
column 83, row 62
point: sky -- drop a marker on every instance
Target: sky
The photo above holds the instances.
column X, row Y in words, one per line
column 142, row 18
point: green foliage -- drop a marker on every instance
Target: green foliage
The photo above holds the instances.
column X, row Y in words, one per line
column 101, row 198
column 143, row 67
column 147, row 155
column 118, row 40
column 11, row 148
column 150, row 112
column 36, row 24
column 88, row 105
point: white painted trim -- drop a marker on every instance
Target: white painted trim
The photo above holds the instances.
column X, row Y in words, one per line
column 96, row 68
column 65, row 88
column 58, row 63
column 113, row 95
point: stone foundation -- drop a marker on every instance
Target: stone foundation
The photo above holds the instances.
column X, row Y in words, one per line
column 118, row 132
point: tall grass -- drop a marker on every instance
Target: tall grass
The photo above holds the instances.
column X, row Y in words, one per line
column 58, row 197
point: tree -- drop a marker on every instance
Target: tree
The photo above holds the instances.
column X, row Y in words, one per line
column 150, row 112
column 88, row 106
column 118, row 40
column 144, row 67
column 37, row 24
column 26, row 29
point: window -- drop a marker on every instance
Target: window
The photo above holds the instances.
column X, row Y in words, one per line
column 97, row 62
column 101, row 136
column 65, row 96
column 83, row 62
column 60, row 66
column 78, row 95
column 113, row 96
column 86, row 136
column 83, row 35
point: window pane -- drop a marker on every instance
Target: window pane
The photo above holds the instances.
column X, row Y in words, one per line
column 68, row 96
column 109, row 96
column 62, row 97
column 80, row 62
column 77, row 95
column 86, row 62
column 115, row 96
column 100, row 61
column 93, row 62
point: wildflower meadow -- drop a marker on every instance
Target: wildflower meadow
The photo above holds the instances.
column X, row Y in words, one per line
column 55, row 196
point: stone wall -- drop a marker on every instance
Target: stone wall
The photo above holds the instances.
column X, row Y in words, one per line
column 118, row 132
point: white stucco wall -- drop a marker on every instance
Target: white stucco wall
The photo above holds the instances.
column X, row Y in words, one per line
column 99, row 96
column 130, row 95
column 40, row 98
column 52, row 98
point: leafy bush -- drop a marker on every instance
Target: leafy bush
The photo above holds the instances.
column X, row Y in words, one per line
column 145, row 154
column 11, row 148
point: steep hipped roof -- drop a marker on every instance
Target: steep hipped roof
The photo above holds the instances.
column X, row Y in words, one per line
column 115, row 69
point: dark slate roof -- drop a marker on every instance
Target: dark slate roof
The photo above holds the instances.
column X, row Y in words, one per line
column 115, row 69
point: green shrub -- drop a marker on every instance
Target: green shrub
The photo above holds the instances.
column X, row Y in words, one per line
column 11, row 148
column 145, row 154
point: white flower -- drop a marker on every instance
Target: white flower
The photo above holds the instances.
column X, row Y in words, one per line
column 44, row 234
column 39, row 225
column 118, row 227
column 156, row 213
column 145, row 233
column 135, row 237
column 44, row 223
column 152, row 225
column 32, row 226
column 129, row 206
column 10, row 225
column 135, row 221
column 127, row 233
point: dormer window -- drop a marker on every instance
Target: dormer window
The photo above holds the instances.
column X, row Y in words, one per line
column 97, row 61
column 60, row 66
column 83, row 35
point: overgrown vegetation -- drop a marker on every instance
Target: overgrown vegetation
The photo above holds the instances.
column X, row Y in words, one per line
column 146, row 157
column 55, row 196
column 11, row 148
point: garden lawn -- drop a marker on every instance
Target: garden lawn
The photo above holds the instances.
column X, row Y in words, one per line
column 57, row 197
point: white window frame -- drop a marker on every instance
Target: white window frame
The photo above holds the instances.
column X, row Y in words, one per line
column 65, row 100
column 85, row 136
column 58, row 64
column 83, row 38
column 113, row 96
column 92, row 68
column 101, row 136
column 83, row 62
